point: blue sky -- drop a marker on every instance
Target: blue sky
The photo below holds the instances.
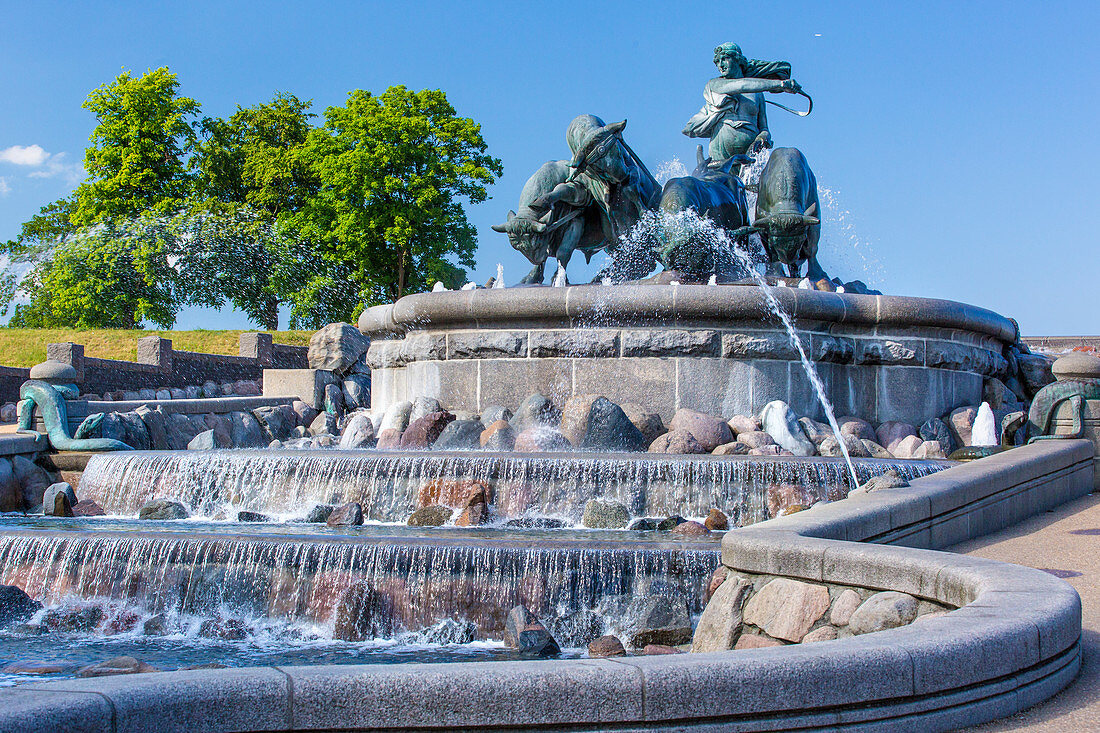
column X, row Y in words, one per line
column 956, row 140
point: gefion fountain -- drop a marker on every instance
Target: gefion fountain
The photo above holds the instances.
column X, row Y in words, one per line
column 546, row 473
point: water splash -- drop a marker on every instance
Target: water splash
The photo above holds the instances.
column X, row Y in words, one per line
column 499, row 281
column 671, row 169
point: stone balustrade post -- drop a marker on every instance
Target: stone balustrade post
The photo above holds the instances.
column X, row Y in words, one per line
column 156, row 351
column 258, row 346
column 68, row 353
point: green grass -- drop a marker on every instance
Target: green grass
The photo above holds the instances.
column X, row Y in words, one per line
column 25, row 347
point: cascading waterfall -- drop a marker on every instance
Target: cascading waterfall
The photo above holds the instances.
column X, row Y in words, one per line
column 422, row 579
column 290, row 483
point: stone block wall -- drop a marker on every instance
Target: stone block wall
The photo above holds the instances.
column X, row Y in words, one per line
column 159, row 366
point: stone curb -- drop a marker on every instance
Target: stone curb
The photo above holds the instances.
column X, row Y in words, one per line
column 1014, row 642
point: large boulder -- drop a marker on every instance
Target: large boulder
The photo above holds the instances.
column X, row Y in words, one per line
column 346, row 515
column 163, row 509
column 780, row 422
column 678, row 442
column 816, row 431
column 155, row 427
column 11, row 494
column 658, row 618
column 498, row 436
column 422, row 433
column 115, row 666
column 325, row 424
column 856, row 447
column 885, row 610
column 536, row 411
column 523, row 631
column 594, row 422
column 454, row 493
column 362, row 613
column 649, row 424
column 430, row 516
column 245, row 430
column 720, row 624
column 743, row 424
column 277, row 421
column 209, row 440
column 605, row 514
column 16, row 606
column 960, row 422
column 33, row 480
column 907, row 446
column 892, row 432
column 396, row 417
column 937, row 430
column 709, row 431
column 492, row 413
column 781, row 499
column 460, row 435
column 422, row 406
column 541, row 439
column 857, row 426
column 359, row 432
column 180, row 430
column 755, row 439
column 336, row 348
column 1035, row 371
column 357, row 391
column 787, row 609
column 53, row 506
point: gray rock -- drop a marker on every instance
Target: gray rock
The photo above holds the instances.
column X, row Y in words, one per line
column 743, row 424
column 277, row 421
column 359, row 432
column 210, row 389
column 133, row 396
column 357, row 391
column 192, row 392
column 890, row 479
column 498, row 436
column 147, row 394
column 346, row 515
column 33, row 480
column 605, row 514
column 845, row 604
column 16, row 606
column 536, row 411
column 856, row 449
column 303, row 411
column 961, row 424
column 644, row 524
column 657, row 619
column 163, row 509
column 336, row 348
column 860, row 428
column 434, row 515
column 163, row 394
column 709, row 431
column 892, row 432
column 154, row 427
column 9, row 413
column 247, row 388
column 929, row 449
column 492, row 413
column 460, row 435
column 780, row 422
column 679, row 442
column 816, row 431
column 177, row 393
column 246, row 516
column 720, row 624
column 906, row 447
column 523, row 631
column 209, row 440
column 937, row 430
column 422, row 406
column 323, row 424
column 362, row 613
column 649, row 424
column 875, row 450
column 885, row 610
column 11, row 493
column 155, row 625
column 396, row 417
column 449, row 631
column 49, row 499
column 541, row 439
column 137, row 436
column 577, row 628
column 319, row 514
column 593, row 422
column 670, row 342
column 245, row 431
column 755, row 439
column 1035, row 371
column 180, row 430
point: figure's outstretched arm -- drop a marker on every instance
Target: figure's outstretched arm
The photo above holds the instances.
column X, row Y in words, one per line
column 570, row 193
column 722, row 85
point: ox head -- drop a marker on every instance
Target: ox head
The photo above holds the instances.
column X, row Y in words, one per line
column 526, row 237
column 787, row 234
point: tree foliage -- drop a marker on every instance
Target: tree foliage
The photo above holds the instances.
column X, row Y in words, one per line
column 393, row 168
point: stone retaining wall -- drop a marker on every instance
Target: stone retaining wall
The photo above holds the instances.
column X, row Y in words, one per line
column 1013, row 641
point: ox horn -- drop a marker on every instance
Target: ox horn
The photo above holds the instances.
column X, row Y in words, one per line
column 762, row 221
column 812, row 210
column 502, row 228
column 810, row 220
column 538, row 226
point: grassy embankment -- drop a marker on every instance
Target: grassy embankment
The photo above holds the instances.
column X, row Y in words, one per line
column 25, row 347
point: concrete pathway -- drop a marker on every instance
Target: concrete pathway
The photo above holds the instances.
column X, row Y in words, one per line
column 1055, row 541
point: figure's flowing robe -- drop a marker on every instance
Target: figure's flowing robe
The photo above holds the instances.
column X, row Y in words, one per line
column 717, row 107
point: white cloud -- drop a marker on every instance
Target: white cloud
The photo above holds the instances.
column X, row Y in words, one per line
column 5, row 189
column 57, row 165
column 32, row 155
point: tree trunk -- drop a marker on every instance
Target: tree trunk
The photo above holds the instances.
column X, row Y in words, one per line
column 270, row 319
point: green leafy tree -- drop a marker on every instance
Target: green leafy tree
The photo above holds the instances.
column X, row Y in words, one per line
column 394, row 169
column 137, row 159
column 105, row 276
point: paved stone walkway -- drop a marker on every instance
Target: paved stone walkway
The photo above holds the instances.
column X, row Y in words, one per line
column 1048, row 542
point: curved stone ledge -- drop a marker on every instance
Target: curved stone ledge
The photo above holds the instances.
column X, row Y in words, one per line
column 1014, row 642
column 594, row 306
